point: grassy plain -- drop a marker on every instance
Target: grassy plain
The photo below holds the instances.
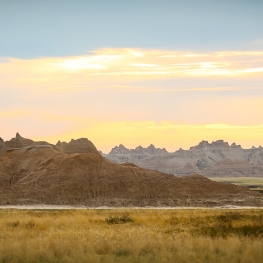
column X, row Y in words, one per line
column 254, row 183
column 131, row 235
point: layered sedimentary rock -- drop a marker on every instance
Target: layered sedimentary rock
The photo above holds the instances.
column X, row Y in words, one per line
column 216, row 159
column 42, row 175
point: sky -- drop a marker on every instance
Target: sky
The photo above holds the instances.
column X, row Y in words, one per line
column 170, row 73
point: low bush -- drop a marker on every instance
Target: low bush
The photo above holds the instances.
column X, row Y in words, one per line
column 119, row 219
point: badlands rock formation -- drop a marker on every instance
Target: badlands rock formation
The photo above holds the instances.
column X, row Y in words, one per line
column 19, row 142
column 120, row 154
column 216, row 159
column 82, row 145
column 41, row 174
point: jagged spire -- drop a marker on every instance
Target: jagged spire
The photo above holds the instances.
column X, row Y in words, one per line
column 18, row 135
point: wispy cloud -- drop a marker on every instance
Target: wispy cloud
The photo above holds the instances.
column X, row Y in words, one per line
column 92, row 95
column 106, row 65
column 142, row 65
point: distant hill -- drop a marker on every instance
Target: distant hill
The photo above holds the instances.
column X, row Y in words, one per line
column 216, row 159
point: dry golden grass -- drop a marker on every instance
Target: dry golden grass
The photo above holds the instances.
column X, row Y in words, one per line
column 131, row 236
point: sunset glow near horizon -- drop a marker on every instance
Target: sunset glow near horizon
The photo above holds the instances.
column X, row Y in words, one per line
column 169, row 97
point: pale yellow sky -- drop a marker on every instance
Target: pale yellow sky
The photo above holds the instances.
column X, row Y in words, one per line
column 134, row 96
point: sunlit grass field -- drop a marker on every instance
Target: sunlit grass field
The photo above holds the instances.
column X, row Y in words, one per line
column 131, row 235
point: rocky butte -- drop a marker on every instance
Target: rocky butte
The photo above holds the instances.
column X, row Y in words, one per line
column 75, row 173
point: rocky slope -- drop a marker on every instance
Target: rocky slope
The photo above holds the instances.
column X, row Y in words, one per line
column 216, row 159
column 40, row 174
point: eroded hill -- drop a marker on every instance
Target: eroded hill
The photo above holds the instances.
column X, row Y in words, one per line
column 43, row 175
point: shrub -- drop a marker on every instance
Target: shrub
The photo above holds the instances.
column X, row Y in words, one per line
column 119, row 219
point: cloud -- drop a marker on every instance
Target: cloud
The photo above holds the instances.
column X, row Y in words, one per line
column 115, row 65
column 119, row 95
column 141, row 65
column 252, row 70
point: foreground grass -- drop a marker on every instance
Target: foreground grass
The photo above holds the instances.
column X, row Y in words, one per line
column 131, row 236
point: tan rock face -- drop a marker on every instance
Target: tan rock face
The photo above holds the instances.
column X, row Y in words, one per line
column 41, row 174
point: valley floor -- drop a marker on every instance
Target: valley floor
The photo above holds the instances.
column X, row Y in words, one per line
column 131, row 235
column 253, row 183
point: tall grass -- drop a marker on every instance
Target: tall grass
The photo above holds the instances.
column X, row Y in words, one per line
column 131, row 236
